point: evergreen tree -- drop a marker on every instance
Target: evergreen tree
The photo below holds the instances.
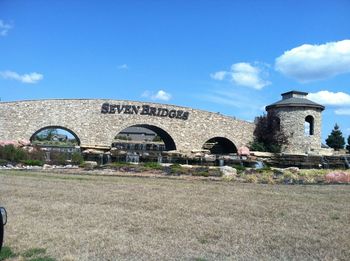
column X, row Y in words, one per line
column 348, row 146
column 336, row 140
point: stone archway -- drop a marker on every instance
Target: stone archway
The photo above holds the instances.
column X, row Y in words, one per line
column 164, row 136
column 32, row 138
column 220, row 145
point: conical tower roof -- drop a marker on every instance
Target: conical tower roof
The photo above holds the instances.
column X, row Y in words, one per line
column 295, row 99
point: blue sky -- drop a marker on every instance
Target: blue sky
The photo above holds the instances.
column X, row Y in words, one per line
column 232, row 57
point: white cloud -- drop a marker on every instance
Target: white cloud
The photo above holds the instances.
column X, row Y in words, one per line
column 24, row 78
column 243, row 74
column 4, row 28
column 308, row 62
column 123, row 67
column 344, row 111
column 218, row 75
column 160, row 95
column 330, row 98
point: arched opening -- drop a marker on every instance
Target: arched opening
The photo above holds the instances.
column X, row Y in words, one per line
column 220, row 145
column 58, row 144
column 141, row 142
column 309, row 125
column 56, row 136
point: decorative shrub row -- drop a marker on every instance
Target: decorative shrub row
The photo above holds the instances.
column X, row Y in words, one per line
column 10, row 154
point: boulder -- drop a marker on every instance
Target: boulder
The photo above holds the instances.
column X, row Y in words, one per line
column 24, row 142
column 243, row 151
column 47, row 166
column 209, row 157
column 9, row 142
column 294, row 170
column 89, row 164
column 338, row 177
column 228, row 173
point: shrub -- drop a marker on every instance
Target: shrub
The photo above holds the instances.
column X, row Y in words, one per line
column 215, row 172
column 251, row 178
column 309, row 180
column 153, row 165
column 267, row 179
column 257, row 146
column 3, row 162
column 37, row 154
column 202, row 171
column 228, row 178
column 12, row 154
column 31, row 162
column 58, row 158
column 264, row 169
column 77, row 158
column 239, row 168
column 119, row 164
column 290, row 177
column 176, row 169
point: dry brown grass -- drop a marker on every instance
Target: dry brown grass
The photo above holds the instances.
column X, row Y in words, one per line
column 118, row 218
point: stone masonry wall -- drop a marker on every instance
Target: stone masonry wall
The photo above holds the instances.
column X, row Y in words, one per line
column 292, row 124
column 20, row 120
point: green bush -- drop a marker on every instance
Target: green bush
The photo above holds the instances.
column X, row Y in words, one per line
column 152, row 165
column 257, row 146
column 31, row 162
column 3, row 162
column 58, row 158
column 119, row 164
column 264, row 169
column 37, row 154
column 77, row 158
column 202, row 171
column 177, row 169
column 239, row 168
column 12, row 154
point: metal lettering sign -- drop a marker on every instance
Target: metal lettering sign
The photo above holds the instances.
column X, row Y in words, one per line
column 144, row 110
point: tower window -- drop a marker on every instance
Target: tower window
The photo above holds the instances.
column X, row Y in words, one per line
column 309, row 126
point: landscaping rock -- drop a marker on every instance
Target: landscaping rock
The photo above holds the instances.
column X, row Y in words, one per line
column 228, row 172
column 209, row 157
column 294, row 170
column 47, row 166
column 243, row 151
column 338, row 177
column 90, row 164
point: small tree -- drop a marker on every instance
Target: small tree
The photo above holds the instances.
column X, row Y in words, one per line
column 268, row 135
column 336, row 140
column 348, row 146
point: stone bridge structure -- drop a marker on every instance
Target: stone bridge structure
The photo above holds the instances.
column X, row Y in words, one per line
column 96, row 122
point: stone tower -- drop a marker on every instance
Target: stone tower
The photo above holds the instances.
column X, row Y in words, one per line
column 300, row 120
